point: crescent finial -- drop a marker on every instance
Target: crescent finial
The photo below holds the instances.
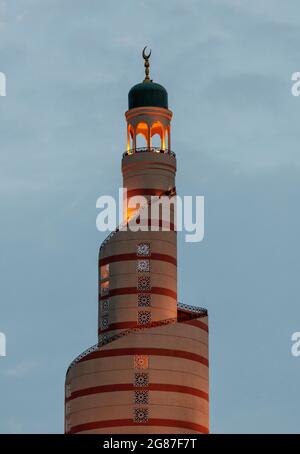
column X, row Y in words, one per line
column 147, row 64
column 146, row 57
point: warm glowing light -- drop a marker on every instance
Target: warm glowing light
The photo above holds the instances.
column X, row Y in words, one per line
column 163, row 142
column 105, row 284
column 142, row 128
column 104, row 272
column 130, row 136
column 157, row 128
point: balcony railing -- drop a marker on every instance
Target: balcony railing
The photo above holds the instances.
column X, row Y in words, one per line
column 194, row 309
column 109, row 339
column 149, row 150
column 185, row 307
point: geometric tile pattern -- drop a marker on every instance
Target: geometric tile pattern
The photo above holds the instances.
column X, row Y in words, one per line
column 141, row 397
column 104, row 290
column 141, row 415
column 104, row 305
column 144, row 300
column 143, row 266
column 104, row 322
column 141, row 380
column 103, row 338
column 144, row 284
column 144, row 317
column 143, row 249
column 141, row 361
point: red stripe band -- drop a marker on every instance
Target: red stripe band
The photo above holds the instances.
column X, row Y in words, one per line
column 146, row 351
column 133, row 290
column 133, row 256
column 133, row 324
column 198, row 324
column 120, row 325
column 130, row 325
column 129, row 422
column 145, row 191
column 130, row 387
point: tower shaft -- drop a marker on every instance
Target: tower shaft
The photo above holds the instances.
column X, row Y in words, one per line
column 148, row 373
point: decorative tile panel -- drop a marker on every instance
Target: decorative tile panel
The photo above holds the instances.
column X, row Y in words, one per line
column 141, row 397
column 141, row 361
column 103, row 339
column 144, row 300
column 104, row 305
column 143, row 249
column 144, row 317
column 104, row 288
column 143, row 266
column 141, row 380
column 144, row 283
column 141, row 415
column 104, row 322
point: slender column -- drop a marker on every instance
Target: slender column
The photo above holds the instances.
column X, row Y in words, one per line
column 149, row 137
column 134, row 141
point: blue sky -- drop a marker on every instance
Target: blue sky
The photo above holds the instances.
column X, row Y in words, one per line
column 227, row 66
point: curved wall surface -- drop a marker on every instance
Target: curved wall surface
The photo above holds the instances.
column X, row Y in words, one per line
column 150, row 381
column 148, row 373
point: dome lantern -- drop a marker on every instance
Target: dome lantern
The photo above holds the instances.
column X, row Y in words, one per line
column 147, row 93
column 148, row 117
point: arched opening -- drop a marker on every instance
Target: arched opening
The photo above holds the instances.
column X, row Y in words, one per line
column 141, row 141
column 156, row 141
column 141, row 135
column 157, row 135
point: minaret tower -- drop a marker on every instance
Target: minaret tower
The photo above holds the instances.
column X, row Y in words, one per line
column 148, row 373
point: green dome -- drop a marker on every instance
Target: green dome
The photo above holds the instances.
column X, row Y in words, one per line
column 148, row 94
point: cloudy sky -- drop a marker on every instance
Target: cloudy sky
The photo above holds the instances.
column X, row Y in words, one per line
column 227, row 65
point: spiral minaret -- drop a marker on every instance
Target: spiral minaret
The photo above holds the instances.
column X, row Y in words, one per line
column 148, row 372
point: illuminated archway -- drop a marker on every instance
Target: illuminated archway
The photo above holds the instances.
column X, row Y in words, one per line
column 141, row 135
column 156, row 141
column 158, row 129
